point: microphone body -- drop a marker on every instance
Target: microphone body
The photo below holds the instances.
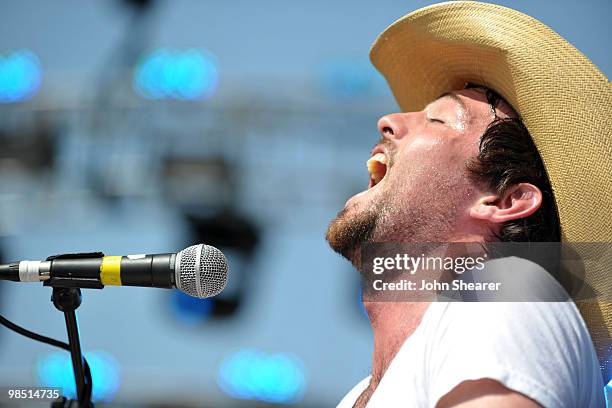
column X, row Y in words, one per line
column 200, row 270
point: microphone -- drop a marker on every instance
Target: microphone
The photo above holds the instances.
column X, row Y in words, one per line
column 199, row 271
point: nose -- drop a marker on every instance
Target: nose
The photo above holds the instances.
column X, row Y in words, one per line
column 393, row 126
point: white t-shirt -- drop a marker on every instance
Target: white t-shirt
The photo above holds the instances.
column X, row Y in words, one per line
column 540, row 349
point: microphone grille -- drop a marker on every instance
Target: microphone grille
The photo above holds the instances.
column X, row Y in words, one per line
column 201, row 271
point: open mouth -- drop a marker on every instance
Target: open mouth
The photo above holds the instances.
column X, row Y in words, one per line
column 377, row 167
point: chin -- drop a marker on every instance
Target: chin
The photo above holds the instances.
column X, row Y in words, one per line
column 349, row 230
column 355, row 224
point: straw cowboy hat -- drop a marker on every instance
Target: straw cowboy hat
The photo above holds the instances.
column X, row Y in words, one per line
column 563, row 99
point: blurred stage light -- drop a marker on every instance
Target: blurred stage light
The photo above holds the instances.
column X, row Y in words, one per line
column 20, row 76
column 182, row 75
column 349, row 78
column 55, row 370
column 189, row 310
column 255, row 375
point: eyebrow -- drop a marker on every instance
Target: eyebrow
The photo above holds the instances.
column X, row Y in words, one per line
column 456, row 98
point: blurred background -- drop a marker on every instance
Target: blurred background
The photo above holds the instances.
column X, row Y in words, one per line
column 143, row 126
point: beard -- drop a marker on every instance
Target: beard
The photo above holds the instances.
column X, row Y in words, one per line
column 346, row 234
column 426, row 217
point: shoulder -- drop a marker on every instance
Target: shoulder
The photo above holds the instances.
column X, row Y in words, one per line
column 485, row 393
column 553, row 313
column 541, row 349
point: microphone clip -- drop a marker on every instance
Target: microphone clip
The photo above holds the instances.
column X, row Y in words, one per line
column 67, row 280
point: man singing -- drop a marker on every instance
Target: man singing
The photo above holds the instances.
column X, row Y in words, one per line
column 504, row 135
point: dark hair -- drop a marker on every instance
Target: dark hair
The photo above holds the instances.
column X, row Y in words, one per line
column 508, row 156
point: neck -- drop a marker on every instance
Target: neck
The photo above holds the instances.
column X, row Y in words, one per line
column 392, row 323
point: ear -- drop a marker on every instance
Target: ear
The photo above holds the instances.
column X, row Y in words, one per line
column 519, row 201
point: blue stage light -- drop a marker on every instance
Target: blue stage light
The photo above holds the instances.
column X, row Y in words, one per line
column 55, row 370
column 348, row 78
column 255, row 375
column 20, row 76
column 189, row 310
column 183, row 75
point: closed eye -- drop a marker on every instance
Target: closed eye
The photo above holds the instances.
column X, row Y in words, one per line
column 435, row 120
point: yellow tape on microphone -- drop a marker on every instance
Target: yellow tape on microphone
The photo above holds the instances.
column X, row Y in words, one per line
column 110, row 270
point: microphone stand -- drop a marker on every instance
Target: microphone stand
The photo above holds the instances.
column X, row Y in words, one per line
column 67, row 300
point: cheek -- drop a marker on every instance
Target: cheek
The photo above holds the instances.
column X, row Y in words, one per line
column 415, row 164
column 423, row 144
column 433, row 157
column 439, row 151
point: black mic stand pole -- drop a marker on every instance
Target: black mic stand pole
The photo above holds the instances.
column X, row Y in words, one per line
column 67, row 300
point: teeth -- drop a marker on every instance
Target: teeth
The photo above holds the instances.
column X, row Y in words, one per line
column 377, row 167
column 376, row 162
